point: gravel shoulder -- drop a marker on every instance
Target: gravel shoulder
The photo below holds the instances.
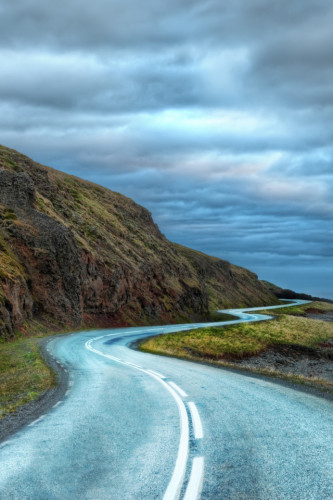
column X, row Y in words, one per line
column 310, row 364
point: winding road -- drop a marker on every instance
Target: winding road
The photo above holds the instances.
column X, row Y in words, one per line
column 138, row 426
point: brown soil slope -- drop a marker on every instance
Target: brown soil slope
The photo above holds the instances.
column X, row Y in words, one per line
column 81, row 254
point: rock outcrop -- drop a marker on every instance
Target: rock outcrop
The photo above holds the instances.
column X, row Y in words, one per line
column 81, row 254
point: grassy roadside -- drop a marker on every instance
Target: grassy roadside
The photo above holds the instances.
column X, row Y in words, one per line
column 225, row 345
column 319, row 307
column 24, row 375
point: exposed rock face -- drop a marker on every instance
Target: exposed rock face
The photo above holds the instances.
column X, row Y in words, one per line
column 80, row 253
column 48, row 251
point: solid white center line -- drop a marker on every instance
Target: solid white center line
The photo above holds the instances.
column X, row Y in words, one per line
column 194, row 486
column 197, row 425
column 176, row 482
column 177, row 479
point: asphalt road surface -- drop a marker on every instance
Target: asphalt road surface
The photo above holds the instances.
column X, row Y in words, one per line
column 138, row 426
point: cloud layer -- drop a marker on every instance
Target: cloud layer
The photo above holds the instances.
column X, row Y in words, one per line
column 217, row 116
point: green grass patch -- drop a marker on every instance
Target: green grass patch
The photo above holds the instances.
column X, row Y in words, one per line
column 23, row 374
column 239, row 341
column 301, row 310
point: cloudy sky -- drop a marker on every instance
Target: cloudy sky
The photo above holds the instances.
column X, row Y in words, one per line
column 215, row 115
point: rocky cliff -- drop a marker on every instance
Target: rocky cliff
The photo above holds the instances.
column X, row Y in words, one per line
column 81, row 254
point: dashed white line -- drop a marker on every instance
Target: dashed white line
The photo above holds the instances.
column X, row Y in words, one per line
column 197, row 425
column 36, row 421
column 156, row 373
column 194, row 486
column 131, row 364
column 57, row 404
column 178, row 389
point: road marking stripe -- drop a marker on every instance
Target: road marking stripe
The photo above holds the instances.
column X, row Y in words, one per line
column 57, row 404
column 178, row 389
column 197, row 425
column 194, row 486
column 131, row 364
column 177, row 478
column 5, row 443
column 156, row 373
column 36, row 421
column 178, row 475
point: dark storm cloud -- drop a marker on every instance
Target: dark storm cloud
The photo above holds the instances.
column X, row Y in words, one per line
column 215, row 115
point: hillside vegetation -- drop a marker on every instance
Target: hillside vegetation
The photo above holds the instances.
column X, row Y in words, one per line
column 81, row 254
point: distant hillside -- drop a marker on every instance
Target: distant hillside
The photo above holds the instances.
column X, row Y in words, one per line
column 285, row 293
column 84, row 255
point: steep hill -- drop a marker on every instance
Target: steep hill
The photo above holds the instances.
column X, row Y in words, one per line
column 81, row 254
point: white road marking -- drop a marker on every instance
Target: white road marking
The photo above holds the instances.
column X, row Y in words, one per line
column 2, row 445
column 57, row 404
column 177, row 478
column 156, row 373
column 36, row 421
column 194, row 486
column 131, row 364
column 178, row 389
column 197, row 425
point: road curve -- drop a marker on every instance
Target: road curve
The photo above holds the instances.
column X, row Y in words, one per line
column 138, row 426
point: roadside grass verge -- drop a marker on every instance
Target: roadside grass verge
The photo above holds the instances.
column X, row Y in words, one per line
column 23, row 374
column 225, row 345
column 243, row 340
column 301, row 310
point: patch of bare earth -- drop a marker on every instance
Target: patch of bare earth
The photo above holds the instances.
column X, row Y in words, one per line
column 311, row 363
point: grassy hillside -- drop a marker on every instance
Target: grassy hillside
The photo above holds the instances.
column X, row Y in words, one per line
column 79, row 253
